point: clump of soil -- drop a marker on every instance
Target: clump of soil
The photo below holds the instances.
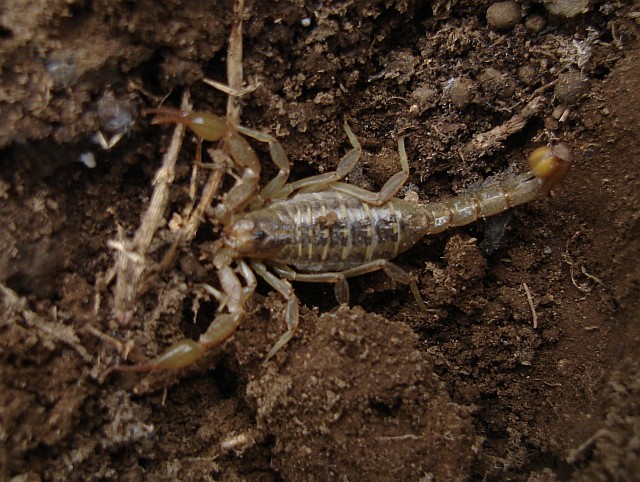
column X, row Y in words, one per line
column 356, row 402
column 525, row 365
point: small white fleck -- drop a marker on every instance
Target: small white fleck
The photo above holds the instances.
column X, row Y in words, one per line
column 88, row 159
column 305, row 22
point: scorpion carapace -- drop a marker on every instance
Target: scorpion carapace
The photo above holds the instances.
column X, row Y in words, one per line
column 319, row 229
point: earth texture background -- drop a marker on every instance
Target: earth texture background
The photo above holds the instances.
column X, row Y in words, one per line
column 526, row 366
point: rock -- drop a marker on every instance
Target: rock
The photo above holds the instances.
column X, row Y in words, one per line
column 503, row 15
column 570, row 87
column 535, row 23
column 566, row 8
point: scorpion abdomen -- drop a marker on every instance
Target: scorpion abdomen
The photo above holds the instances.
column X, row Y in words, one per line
column 330, row 231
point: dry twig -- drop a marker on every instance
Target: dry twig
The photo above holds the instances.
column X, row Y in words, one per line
column 132, row 265
column 534, row 315
column 48, row 330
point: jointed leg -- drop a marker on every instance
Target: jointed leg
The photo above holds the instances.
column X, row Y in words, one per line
column 291, row 311
column 342, row 288
column 321, row 181
column 394, row 272
column 391, row 187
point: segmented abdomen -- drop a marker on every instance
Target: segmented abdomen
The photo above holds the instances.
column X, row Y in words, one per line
column 330, row 231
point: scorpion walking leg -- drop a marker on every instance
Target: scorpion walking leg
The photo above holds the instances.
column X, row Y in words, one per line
column 341, row 287
column 291, row 312
column 321, row 181
column 339, row 278
column 390, row 188
column 331, row 179
column 280, row 190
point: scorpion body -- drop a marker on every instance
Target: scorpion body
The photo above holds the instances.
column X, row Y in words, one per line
column 328, row 231
column 331, row 231
column 319, row 229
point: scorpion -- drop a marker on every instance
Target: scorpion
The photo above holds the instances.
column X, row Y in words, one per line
column 319, row 229
column 322, row 230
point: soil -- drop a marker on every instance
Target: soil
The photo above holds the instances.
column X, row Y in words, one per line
column 526, row 366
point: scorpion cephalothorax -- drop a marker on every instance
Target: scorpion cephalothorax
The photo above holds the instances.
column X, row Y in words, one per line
column 319, row 229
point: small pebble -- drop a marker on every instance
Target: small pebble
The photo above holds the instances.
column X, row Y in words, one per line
column 61, row 65
column 535, row 23
column 566, row 8
column 503, row 15
column 558, row 111
column 528, row 74
column 496, row 85
column 115, row 114
column 424, row 97
column 461, row 92
column 88, row 159
column 571, row 87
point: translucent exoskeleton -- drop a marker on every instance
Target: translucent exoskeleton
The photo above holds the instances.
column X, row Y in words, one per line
column 322, row 230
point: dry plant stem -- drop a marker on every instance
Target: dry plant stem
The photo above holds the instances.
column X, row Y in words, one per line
column 212, row 187
column 131, row 263
column 488, row 142
column 49, row 331
column 234, row 64
column 534, row 315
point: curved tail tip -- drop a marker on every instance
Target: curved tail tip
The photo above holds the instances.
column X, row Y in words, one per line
column 550, row 163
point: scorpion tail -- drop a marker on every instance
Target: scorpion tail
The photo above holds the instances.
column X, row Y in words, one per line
column 548, row 166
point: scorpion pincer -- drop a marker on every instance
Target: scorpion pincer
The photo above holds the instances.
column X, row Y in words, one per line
column 321, row 230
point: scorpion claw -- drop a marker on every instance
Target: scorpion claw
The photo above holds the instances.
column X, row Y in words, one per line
column 179, row 355
column 207, row 126
column 165, row 115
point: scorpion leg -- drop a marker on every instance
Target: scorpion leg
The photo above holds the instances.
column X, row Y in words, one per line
column 393, row 271
column 291, row 312
column 321, row 181
column 390, row 188
column 339, row 278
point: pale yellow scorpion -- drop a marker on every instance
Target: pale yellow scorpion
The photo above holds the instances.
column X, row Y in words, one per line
column 321, row 230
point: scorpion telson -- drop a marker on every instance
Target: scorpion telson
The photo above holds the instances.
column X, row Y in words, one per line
column 321, row 230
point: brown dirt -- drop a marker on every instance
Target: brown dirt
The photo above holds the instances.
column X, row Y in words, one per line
column 468, row 391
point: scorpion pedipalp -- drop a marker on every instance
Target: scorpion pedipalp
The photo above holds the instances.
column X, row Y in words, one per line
column 207, row 126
